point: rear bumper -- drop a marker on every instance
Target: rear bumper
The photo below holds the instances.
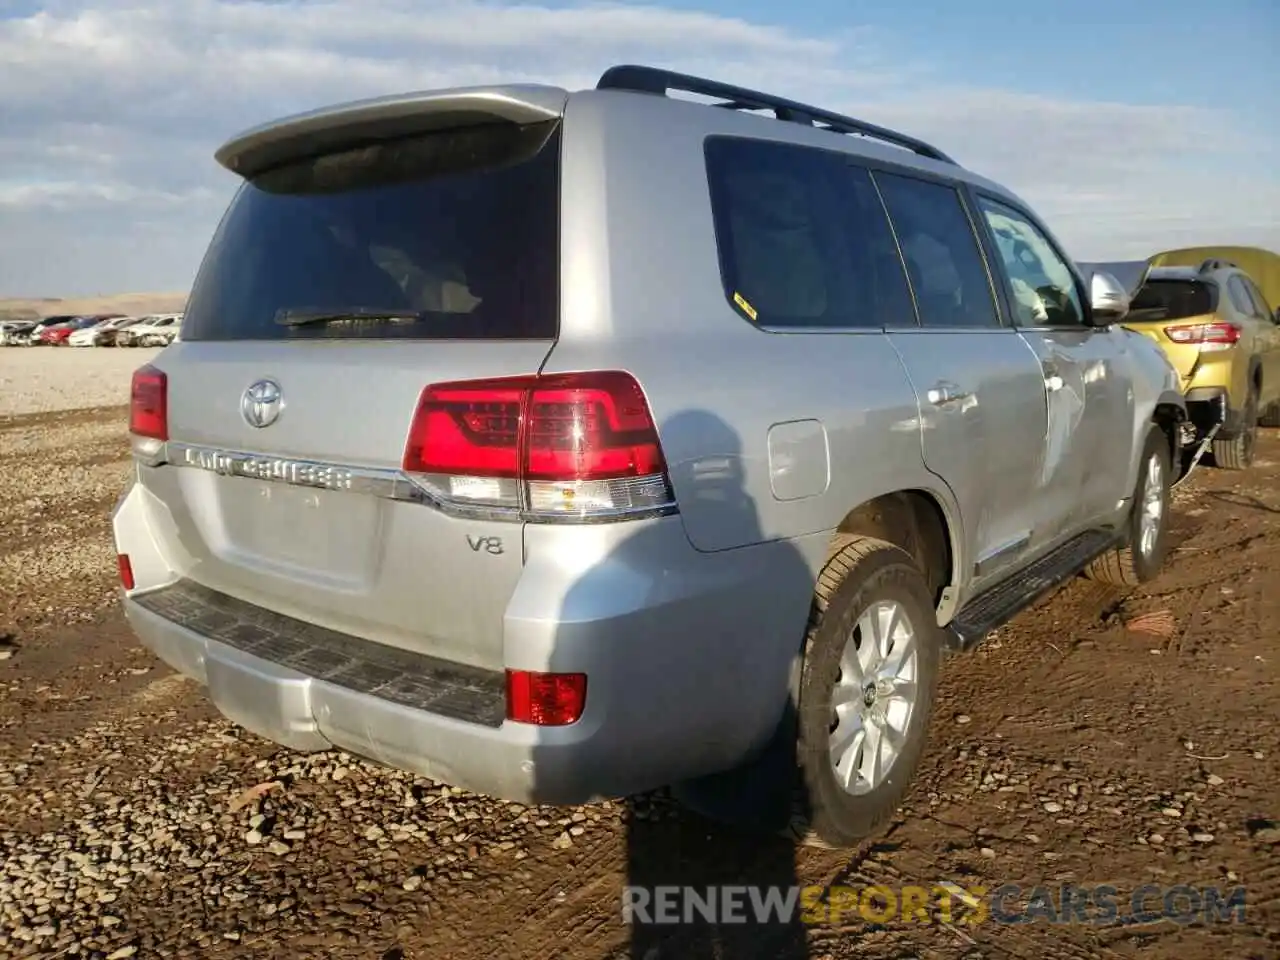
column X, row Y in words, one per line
column 688, row 658
column 305, row 713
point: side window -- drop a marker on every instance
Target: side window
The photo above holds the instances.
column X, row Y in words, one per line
column 1240, row 298
column 943, row 259
column 883, row 293
column 1265, row 310
column 800, row 232
column 1044, row 289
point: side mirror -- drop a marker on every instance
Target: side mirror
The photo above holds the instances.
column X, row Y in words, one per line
column 1108, row 299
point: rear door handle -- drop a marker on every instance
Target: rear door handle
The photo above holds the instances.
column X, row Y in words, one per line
column 944, row 392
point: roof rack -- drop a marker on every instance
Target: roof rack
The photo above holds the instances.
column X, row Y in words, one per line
column 640, row 79
column 1216, row 263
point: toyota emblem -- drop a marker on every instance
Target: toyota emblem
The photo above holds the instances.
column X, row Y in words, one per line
column 261, row 404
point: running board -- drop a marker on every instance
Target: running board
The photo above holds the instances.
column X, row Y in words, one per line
column 997, row 606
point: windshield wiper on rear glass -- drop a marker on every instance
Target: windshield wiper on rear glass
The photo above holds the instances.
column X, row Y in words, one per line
column 299, row 318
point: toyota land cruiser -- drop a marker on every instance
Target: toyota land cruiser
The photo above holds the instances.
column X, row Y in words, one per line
column 567, row 445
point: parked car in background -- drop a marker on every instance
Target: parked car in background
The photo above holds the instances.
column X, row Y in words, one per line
column 14, row 333
column 57, row 334
column 155, row 330
column 45, row 324
column 521, row 511
column 1262, row 265
column 110, row 337
column 101, row 333
column 1222, row 335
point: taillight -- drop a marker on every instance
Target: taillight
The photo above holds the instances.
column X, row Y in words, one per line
column 149, row 404
column 1214, row 336
column 568, row 446
column 126, row 570
column 545, row 699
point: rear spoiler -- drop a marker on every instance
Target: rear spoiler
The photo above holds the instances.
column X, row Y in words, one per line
column 1132, row 274
column 381, row 118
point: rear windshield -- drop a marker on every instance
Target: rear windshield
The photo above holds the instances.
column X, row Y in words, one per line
column 1172, row 300
column 452, row 234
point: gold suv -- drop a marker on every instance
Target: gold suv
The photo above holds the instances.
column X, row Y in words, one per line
column 1223, row 337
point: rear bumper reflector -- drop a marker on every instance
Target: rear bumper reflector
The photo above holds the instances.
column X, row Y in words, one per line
column 545, row 699
column 126, row 570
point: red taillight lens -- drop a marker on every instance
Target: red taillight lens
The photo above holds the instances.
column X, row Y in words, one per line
column 1220, row 333
column 545, row 699
column 467, row 428
column 564, row 445
column 592, row 426
column 149, row 404
column 126, row 570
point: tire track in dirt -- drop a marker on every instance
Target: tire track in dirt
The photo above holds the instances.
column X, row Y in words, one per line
column 566, row 903
column 953, row 928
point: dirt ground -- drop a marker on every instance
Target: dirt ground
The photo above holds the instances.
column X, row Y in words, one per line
column 1098, row 739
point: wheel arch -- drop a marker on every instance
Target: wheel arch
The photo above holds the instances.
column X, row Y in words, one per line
column 919, row 521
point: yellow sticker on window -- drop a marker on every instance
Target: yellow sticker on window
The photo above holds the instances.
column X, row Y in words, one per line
column 747, row 308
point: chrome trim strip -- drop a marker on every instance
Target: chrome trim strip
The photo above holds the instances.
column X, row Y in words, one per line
column 604, row 516
column 387, row 484
column 990, row 330
column 315, row 474
column 846, row 331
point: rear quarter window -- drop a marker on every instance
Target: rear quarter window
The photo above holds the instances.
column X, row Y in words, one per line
column 448, row 235
column 803, row 239
column 1240, row 298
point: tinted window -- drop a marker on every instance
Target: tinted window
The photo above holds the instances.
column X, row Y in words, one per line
column 1171, row 300
column 1265, row 309
column 1042, row 285
column 947, row 272
column 452, row 234
column 877, row 262
column 802, row 237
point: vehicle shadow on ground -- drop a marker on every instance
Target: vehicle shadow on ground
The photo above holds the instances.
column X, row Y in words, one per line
column 736, row 871
column 695, row 888
column 1242, row 500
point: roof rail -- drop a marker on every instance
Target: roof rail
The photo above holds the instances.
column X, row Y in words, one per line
column 1217, row 263
column 640, row 79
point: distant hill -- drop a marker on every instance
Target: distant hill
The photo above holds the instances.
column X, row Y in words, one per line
column 130, row 304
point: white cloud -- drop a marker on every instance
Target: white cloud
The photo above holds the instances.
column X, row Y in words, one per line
column 112, row 109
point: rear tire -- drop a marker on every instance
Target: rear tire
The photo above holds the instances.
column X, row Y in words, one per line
column 1237, row 453
column 874, row 645
column 1271, row 416
column 790, row 788
column 1147, row 536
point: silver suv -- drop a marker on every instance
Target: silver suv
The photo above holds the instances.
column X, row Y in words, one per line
column 568, row 445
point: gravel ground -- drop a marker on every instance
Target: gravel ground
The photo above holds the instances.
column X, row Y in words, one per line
column 44, row 379
column 1099, row 738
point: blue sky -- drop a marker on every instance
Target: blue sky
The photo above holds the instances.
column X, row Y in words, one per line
column 1138, row 51
column 1131, row 127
